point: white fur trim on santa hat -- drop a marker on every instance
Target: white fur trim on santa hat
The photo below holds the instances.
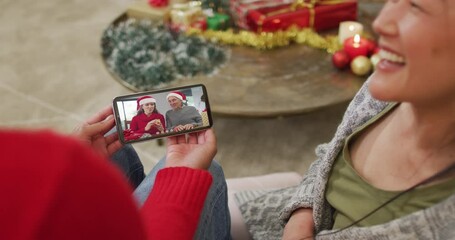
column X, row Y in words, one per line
column 175, row 95
column 147, row 100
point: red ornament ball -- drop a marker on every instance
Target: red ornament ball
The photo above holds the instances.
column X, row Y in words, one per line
column 340, row 59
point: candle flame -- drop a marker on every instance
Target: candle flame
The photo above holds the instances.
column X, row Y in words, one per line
column 357, row 38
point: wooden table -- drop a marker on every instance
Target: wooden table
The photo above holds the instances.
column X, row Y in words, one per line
column 285, row 81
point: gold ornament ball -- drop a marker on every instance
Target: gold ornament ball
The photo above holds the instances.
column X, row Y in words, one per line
column 361, row 65
column 375, row 58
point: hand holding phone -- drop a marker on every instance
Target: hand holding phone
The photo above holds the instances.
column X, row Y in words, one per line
column 195, row 151
column 162, row 113
column 93, row 130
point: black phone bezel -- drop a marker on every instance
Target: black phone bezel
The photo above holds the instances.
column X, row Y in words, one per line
column 118, row 124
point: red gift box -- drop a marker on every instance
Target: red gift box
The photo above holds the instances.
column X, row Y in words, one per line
column 239, row 8
column 319, row 15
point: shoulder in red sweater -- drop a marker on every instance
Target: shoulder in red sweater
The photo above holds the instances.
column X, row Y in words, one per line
column 55, row 188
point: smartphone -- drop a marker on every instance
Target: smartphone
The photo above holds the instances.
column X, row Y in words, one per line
column 162, row 113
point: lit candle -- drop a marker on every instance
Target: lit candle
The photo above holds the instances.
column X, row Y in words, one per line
column 356, row 46
column 349, row 29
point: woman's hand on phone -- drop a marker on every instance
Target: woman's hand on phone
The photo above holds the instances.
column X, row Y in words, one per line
column 196, row 150
column 92, row 132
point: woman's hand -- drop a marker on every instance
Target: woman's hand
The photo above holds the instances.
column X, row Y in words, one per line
column 158, row 125
column 93, row 130
column 195, row 151
column 300, row 226
column 151, row 123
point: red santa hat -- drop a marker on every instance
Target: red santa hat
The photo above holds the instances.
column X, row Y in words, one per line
column 143, row 100
column 178, row 95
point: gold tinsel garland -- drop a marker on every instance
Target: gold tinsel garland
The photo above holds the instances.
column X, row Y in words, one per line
column 271, row 40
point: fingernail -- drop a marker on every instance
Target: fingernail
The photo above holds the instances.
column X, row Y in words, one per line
column 109, row 117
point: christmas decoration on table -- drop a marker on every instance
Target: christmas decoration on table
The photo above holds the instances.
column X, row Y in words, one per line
column 218, row 21
column 217, row 6
column 239, row 9
column 187, row 17
column 183, row 14
column 150, row 9
column 191, row 15
column 359, row 53
column 356, row 46
column 148, row 56
column 199, row 24
column 143, row 10
column 317, row 14
column 266, row 41
column 349, row 29
column 361, row 65
column 340, row 59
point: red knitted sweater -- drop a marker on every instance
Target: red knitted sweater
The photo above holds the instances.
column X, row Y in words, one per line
column 52, row 187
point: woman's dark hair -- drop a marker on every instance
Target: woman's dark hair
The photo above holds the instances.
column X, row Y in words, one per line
column 141, row 110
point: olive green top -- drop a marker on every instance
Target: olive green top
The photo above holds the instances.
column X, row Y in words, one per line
column 353, row 197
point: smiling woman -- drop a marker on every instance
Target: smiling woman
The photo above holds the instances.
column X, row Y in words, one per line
column 389, row 170
column 417, row 52
column 148, row 120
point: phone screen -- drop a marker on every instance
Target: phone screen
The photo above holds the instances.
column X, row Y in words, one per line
column 162, row 113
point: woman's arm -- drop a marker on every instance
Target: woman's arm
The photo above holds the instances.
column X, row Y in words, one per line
column 304, row 197
column 173, row 208
column 133, row 124
column 300, row 225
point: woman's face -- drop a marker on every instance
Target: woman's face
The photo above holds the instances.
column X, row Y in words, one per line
column 415, row 37
column 174, row 102
column 148, row 108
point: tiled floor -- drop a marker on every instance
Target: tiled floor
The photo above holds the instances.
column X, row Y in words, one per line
column 52, row 76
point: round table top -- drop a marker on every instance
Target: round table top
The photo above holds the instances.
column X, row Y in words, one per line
column 285, row 81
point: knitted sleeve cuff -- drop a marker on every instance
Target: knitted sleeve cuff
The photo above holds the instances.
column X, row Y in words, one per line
column 181, row 185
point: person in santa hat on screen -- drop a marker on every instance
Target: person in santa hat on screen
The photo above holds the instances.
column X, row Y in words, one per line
column 181, row 117
column 148, row 120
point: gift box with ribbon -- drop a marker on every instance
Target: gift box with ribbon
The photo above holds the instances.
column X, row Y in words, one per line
column 218, row 21
column 317, row 14
column 184, row 14
column 239, row 9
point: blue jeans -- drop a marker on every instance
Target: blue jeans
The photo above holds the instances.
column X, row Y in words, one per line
column 215, row 221
column 129, row 163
